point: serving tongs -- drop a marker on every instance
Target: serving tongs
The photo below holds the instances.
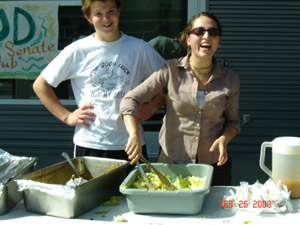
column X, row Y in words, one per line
column 149, row 184
column 162, row 177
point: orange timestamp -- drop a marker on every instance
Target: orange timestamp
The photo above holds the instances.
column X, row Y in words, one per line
column 244, row 204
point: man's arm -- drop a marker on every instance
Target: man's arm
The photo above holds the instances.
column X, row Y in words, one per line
column 48, row 97
column 148, row 110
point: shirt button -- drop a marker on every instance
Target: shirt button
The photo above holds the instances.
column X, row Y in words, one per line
column 196, row 138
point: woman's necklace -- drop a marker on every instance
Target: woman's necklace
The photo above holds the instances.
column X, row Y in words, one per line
column 208, row 68
column 202, row 73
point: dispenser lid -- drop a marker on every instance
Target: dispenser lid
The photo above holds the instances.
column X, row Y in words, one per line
column 286, row 145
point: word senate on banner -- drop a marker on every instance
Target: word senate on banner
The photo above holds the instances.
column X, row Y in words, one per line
column 28, row 37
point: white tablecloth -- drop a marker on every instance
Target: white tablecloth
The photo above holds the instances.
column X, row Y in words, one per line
column 210, row 214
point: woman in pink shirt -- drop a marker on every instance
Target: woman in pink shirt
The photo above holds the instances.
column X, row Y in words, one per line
column 202, row 103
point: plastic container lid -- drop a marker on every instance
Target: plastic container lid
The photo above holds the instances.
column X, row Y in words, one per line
column 286, row 145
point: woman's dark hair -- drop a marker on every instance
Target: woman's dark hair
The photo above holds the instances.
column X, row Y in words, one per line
column 187, row 31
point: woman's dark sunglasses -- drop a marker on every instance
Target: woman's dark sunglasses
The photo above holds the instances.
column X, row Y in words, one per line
column 199, row 31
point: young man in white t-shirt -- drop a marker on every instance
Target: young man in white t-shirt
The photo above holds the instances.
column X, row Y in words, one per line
column 102, row 68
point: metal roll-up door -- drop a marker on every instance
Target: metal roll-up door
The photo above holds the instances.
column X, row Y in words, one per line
column 261, row 40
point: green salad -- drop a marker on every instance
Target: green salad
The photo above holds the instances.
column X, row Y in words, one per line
column 179, row 183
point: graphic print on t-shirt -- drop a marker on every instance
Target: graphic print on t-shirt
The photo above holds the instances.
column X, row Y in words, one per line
column 109, row 80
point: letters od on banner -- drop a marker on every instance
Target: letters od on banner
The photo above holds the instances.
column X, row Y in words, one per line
column 28, row 37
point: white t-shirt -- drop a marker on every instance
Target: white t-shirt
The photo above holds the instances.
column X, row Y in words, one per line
column 101, row 73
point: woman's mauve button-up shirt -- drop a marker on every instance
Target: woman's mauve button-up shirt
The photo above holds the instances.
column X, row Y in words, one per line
column 188, row 132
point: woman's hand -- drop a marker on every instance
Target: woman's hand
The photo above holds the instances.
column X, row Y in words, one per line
column 82, row 115
column 222, row 146
column 133, row 148
column 222, row 142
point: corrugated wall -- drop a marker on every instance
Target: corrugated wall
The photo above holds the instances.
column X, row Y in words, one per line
column 29, row 129
column 261, row 40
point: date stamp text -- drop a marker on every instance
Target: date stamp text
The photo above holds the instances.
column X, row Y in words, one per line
column 244, row 204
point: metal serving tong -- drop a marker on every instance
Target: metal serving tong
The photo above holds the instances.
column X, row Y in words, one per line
column 162, row 177
column 150, row 185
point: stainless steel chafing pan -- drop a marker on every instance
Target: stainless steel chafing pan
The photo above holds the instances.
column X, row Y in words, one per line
column 45, row 191
column 12, row 168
